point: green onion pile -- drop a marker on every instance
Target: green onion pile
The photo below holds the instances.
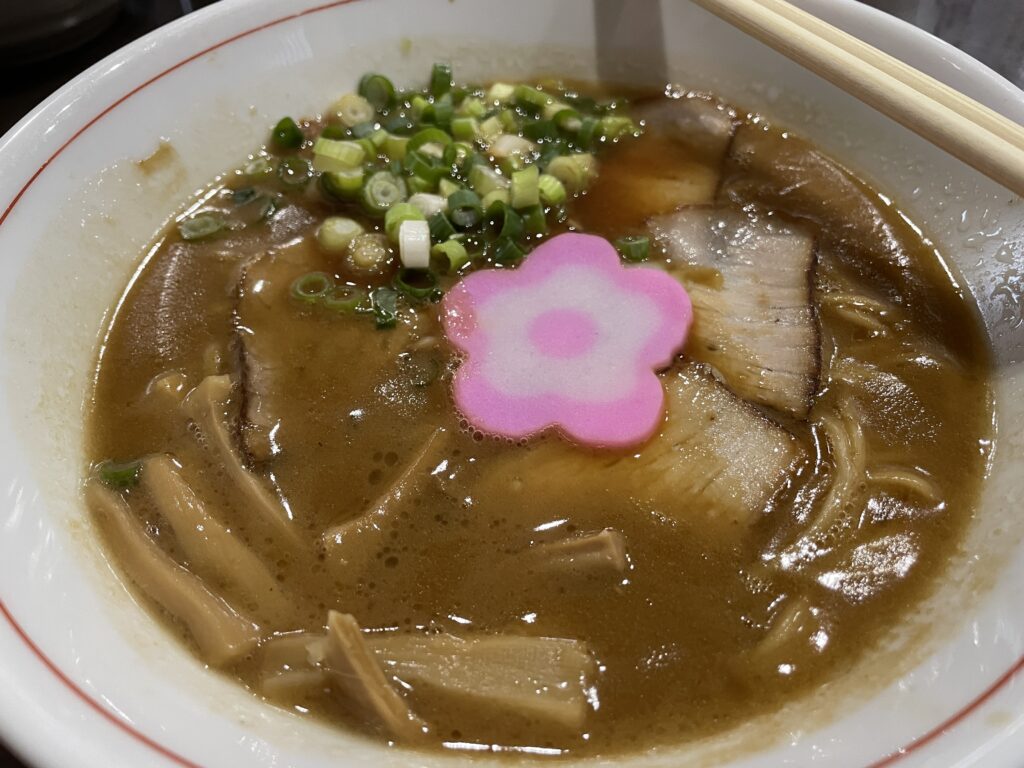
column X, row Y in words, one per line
column 486, row 169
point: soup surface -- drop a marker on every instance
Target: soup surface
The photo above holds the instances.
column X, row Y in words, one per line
column 298, row 497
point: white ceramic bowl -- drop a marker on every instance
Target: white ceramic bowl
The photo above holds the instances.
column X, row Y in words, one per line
column 88, row 679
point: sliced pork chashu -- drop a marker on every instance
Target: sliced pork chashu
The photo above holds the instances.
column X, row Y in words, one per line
column 717, row 461
column 750, row 278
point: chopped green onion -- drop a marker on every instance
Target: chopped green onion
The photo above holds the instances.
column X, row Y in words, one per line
column 616, row 126
column 363, row 130
column 342, row 185
column 336, row 132
column 534, row 221
column 416, row 283
column 633, row 247
column 398, row 213
column 202, row 226
column 428, row 136
column 312, row 287
column 337, row 233
column 552, row 191
column 541, row 130
column 494, row 196
column 574, row 171
column 440, row 227
column 120, row 475
column 464, row 208
column 428, row 168
column 377, row 90
column 352, row 109
column 395, row 147
column 257, row 167
column 568, row 119
column 483, row 179
column 330, row 155
column 506, row 250
column 530, row 99
column 440, row 112
column 295, row 171
column 525, row 189
column 506, row 222
column 418, row 105
column 379, row 137
column 421, row 186
column 453, row 252
column 446, row 188
column 369, row 253
column 384, row 305
column 440, row 79
column 589, row 131
column 399, row 124
column 381, row 191
column 472, row 107
column 345, row 299
column 287, row 134
column 491, row 127
column 429, row 204
column 465, row 128
column 509, row 120
column 369, row 148
column 414, row 243
column 553, row 107
column 501, row 93
column 510, row 145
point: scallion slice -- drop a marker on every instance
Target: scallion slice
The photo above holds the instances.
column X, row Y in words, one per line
column 440, row 79
column 345, row 299
column 381, row 191
column 634, row 248
column 337, row 233
column 377, row 90
column 534, row 220
column 428, row 136
column 416, row 283
column 483, row 179
column 202, row 226
column 331, row 155
column 295, row 171
column 472, row 107
column 541, row 130
column 495, row 196
column 342, row 185
column 588, row 133
column 440, row 227
column 465, row 208
column 525, row 191
column 528, row 98
column 384, row 305
column 429, row 204
column 352, row 109
column 119, row 474
column 396, row 215
column 395, row 147
column 501, row 93
column 504, row 221
column 505, row 251
column 465, row 128
column 614, row 127
column 312, row 287
column 414, row 244
column 286, row 134
column 574, row 171
column 447, row 187
column 552, row 191
column 453, row 253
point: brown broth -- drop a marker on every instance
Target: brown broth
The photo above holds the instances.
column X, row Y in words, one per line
column 676, row 635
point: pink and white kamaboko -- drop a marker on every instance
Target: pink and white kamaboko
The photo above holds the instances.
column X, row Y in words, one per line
column 571, row 340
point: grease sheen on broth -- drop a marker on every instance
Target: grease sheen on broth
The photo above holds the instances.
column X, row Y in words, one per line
column 714, row 621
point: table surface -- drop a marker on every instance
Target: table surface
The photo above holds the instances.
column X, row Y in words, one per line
column 990, row 30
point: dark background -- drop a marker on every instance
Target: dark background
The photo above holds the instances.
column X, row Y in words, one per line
column 33, row 66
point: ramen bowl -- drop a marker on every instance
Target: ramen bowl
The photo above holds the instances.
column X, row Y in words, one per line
column 87, row 181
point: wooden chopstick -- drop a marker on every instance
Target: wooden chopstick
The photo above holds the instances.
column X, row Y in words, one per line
column 977, row 135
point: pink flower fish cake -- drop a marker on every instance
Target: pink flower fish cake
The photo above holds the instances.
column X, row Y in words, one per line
column 571, row 340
